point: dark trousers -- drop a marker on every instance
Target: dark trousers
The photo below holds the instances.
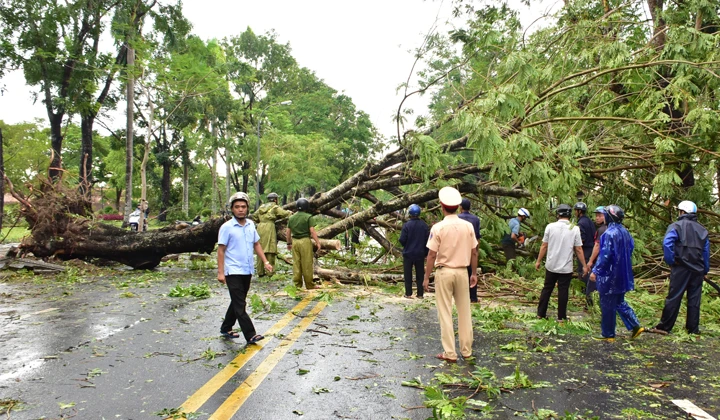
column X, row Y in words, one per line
column 563, row 282
column 419, row 265
column 612, row 304
column 590, row 286
column 510, row 251
column 238, row 286
column 682, row 279
column 473, row 290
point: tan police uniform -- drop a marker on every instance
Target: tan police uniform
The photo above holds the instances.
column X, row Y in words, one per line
column 453, row 239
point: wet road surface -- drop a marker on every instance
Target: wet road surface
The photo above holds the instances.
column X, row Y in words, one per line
column 118, row 347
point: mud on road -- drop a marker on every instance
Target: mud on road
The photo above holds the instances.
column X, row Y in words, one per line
column 111, row 343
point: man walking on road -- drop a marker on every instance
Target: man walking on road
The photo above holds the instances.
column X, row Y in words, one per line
column 266, row 216
column 587, row 235
column 301, row 227
column 236, row 241
column 413, row 238
column 512, row 239
column 453, row 248
column 559, row 242
column 475, row 222
column 686, row 248
column 614, row 276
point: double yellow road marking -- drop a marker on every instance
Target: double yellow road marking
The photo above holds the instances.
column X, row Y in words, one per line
column 241, row 394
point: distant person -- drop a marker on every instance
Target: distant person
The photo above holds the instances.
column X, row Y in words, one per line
column 686, row 248
column 514, row 238
column 600, row 228
column 266, row 216
column 453, row 248
column 614, row 276
column 236, row 241
column 475, row 222
column 414, row 237
column 301, row 227
column 559, row 242
column 587, row 234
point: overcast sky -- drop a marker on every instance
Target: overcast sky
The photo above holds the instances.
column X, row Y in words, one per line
column 360, row 48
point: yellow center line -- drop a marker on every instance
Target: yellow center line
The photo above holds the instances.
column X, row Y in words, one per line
column 195, row 401
column 243, row 392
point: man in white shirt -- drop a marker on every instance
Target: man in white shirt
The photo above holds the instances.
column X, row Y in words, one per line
column 561, row 239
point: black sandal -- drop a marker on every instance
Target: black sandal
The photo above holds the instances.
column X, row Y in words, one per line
column 255, row 339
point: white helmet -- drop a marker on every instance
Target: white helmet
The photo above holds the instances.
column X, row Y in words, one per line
column 687, row 207
column 524, row 212
column 238, row 196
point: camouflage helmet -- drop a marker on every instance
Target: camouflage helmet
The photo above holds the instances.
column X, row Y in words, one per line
column 238, row 196
column 272, row 196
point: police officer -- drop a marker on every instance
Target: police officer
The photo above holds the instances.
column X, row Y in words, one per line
column 614, row 276
column 266, row 216
column 587, row 235
column 301, row 227
column 453, row 248
column 686, row 249
column 475, row 222
column 413, row 238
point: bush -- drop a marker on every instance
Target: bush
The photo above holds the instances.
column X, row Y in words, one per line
column 108, row 210
column 112, row 217
column 206, row 213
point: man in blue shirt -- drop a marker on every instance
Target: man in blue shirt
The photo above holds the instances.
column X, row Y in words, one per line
column 475, row 222
column 587, row 235
column 510, row 240
column 237, row 240
column 686, row 249
column 413, row 238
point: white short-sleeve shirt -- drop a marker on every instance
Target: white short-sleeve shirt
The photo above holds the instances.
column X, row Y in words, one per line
column 561, row 238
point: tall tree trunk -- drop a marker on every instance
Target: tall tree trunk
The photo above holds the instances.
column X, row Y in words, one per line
column 186, row 179
column 129, row 136
column 56, row 140
column 245, row 179
column 228, row 170
column 2, row 181
column 86, row 153
column 213, row 169
column 166, row 168
column 146, row 156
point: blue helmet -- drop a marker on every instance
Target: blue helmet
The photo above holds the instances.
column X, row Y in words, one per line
column 599, row 209
column 414, row 210
column 614, row 214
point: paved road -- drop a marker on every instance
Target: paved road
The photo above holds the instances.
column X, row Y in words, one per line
column 118, row 347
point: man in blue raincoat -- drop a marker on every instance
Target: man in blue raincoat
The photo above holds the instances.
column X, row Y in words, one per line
column 614, row 277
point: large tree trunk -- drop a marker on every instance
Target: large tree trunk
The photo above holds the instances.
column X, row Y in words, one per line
column 2, row 181
column 56, row 140
column 142, row 250
column 129, row 135
column 86, row 153
column 186, row 178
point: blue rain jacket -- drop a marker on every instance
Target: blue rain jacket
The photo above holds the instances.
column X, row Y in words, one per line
column 613, row 269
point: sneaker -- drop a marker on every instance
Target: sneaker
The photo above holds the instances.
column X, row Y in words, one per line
column 605, row 339
column 636, row 332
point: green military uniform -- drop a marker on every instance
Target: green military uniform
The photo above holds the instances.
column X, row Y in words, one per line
column 302, row 248
column 265, row 217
